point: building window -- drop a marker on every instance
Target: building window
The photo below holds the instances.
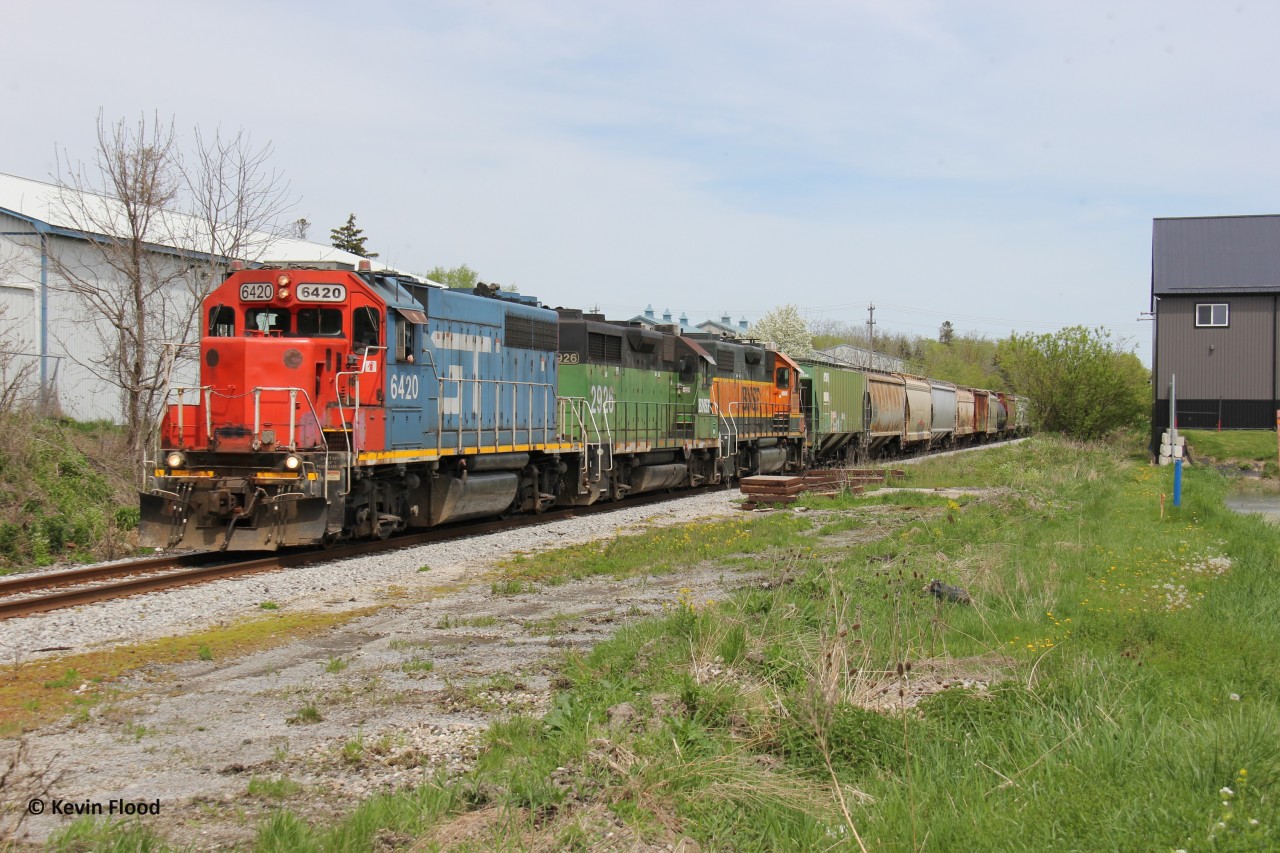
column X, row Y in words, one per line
column 1210, row 314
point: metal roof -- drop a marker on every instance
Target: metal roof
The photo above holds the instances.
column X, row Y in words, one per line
column 50, row 207
column 1216, row 254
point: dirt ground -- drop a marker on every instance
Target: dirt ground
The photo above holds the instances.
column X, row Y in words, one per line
column 378, row 704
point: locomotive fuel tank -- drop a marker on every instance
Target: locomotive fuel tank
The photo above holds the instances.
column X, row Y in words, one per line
column 477, row 496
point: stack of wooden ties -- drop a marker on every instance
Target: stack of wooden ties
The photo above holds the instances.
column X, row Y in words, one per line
column 765, row 489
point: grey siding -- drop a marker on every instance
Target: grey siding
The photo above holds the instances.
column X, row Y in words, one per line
column 1232, row 363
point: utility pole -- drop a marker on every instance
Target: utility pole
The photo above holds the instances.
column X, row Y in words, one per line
column 871, row 326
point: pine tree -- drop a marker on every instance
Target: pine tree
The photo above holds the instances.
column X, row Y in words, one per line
column 350, row 238
column 946, row 333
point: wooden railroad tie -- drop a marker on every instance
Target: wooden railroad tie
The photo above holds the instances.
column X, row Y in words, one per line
column 774, row 489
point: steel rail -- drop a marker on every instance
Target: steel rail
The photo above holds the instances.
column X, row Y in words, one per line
column 59, row 600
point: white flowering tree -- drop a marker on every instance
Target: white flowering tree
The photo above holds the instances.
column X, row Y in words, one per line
column 786, row 329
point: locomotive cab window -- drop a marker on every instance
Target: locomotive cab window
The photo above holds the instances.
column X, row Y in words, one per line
column 687, row 374
column 365, row 329
column 222, row 322
column 783, row 378
column 319, row 322
column 1211, row 314
column 267, row 321
column 404, row 341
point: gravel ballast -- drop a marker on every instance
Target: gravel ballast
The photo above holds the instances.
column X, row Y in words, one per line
column 347, row 585
column 395, row 696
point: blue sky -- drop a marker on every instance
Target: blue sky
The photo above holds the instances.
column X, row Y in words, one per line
column 993, row 163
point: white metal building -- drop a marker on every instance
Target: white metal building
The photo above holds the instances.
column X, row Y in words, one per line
column 43, row 326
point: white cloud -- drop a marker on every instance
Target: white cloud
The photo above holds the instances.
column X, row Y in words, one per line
column 990, row 159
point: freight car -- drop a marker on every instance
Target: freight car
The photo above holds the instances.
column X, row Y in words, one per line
column 854, row 414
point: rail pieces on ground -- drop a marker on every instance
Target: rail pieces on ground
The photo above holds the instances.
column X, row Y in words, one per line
column 769, row 489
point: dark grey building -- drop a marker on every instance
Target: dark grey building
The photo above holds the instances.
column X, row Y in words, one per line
column 1215, row 291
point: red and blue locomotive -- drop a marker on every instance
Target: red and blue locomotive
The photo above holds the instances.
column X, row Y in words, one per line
column 337, row 404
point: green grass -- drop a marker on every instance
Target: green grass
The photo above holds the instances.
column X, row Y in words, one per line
column 486, row 621
column 335, row 665
column 66, row 491
column 659, row 551
column 306, row 715
column 278, row 788
column 417, row 665
column 70, row 678
column 1113, row 683
column 1232, row 445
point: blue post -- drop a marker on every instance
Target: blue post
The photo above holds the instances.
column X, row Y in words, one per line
column 1177, row 482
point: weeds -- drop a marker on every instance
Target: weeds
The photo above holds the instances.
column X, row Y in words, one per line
column 306, row 715
column 417, row 665
column 278, row 788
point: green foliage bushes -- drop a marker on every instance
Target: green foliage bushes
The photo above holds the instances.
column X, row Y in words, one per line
column 66, row 491
column 1082, row 382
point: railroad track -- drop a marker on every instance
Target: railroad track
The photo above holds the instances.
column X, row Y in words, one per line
column 28, row 594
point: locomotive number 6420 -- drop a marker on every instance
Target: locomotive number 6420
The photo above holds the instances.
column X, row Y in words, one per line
column 322, row 293
column 257, row 291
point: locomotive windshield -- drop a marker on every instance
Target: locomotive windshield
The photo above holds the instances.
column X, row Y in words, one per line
column 267, row 321
column 319, row 322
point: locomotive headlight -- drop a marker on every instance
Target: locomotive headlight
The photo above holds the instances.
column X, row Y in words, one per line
column 176, row 460
column 292, row 462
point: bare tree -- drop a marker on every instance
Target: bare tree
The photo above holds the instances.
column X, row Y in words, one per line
column 134, row 295
column 17, row 368
column 235, row 196
column 160, row 233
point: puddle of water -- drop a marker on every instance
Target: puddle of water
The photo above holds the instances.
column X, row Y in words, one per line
column 1267, row 505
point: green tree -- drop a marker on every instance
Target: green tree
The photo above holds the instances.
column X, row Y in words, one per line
column 459, row 278
column 350, row 238
column 1081, row 382
column 946, row 332
column 968, row 361
column 785, row 328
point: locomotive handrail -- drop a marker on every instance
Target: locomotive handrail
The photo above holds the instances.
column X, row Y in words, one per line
column 477, row 385
column 761, row 412
column 353, row 449
column 293, row 402
column 730, row 442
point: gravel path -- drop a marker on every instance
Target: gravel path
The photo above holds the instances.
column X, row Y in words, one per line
column 346, row 585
